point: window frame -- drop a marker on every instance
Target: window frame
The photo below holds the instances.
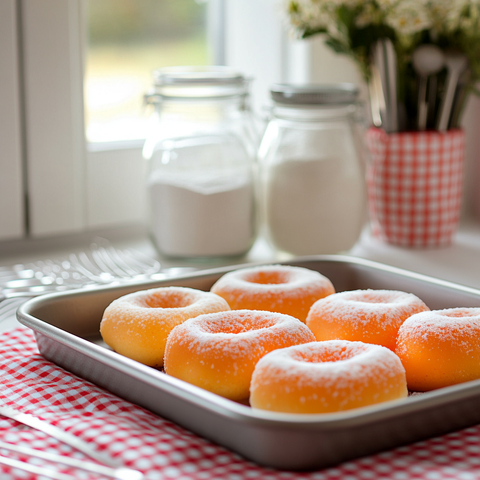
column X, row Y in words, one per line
column 74, row 187
column 12, row 201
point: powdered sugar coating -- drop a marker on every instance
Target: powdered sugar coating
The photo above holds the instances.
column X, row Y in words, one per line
column 278, row 288
column 448, row 325
column 137, row 325
column 218, row 351
column 440, row 347
column 327, row 376
column 371, row 316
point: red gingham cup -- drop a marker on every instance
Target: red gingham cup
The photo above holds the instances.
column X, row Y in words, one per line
column 415, row 186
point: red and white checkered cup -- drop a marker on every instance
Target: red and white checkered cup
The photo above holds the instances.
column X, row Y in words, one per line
column 415, row 186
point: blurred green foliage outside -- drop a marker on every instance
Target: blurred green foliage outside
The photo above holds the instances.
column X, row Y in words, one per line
column 126, row 21
column 127, row 40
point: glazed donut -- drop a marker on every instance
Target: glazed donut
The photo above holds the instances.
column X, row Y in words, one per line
column 440, row 348
column 323, row 377
column 137, row 325
column 370, row 316
column 276, row 288
column 218, row 351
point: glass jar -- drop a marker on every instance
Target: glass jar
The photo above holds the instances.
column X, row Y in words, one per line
column 201, row 172
column 312, row 171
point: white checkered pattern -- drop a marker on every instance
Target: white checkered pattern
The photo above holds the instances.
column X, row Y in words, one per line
column 163, row 450
column 415, row 185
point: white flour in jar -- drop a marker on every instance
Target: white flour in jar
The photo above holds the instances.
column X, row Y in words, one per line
column 202, row 215
column 314, row 206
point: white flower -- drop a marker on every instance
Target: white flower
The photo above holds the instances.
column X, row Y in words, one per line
column 408, row 17
column 368, row 15
column 450, row 15
column 306, row 14
column 386, row 4
column 314, row 14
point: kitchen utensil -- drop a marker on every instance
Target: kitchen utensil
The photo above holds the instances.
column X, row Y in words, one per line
column 385, row 62
column 374, row 106
column 69, row 439
column 456, row 64
column 427, row 60
column 432, row 102
column 35, row 469
column 66, row 327
column 459, row 99
column 104, row 471
column 391, row 69
column 103, row 264
column 377, row 98
column 380, row 78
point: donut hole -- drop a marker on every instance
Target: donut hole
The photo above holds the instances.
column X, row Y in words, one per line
column 237, row 325
column 171, row 299
column 268, row 278
column 461, row 313
column 326, row 355
column 376, row 297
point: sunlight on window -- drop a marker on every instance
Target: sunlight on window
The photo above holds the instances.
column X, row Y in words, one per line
column 127, row 40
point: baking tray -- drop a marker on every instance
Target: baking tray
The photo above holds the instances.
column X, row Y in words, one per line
column 66, row 327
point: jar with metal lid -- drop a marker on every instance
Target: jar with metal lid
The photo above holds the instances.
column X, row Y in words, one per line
column 313, row 187
column 201, row 152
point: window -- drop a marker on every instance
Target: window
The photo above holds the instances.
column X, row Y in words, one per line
column 70, row 186
column 127, row 40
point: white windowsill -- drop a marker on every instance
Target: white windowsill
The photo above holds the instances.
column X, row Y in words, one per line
column 115, row 145
column 458, row 263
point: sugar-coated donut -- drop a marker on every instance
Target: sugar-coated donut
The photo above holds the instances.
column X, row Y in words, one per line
column 276, row 288
column 370, row 316
column 323, row 377
column 440, row 348
column 218, row 351
column 137, row 325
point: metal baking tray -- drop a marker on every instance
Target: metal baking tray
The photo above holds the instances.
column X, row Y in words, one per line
column 66, row 327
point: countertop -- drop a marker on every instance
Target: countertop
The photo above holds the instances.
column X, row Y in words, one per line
column 459, row 262
column 429, row 459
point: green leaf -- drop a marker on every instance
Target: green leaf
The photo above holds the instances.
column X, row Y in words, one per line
column 346, row 16
column 310, row 32
column 337, row 46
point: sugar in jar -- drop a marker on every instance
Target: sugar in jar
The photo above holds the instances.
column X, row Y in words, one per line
column 312, row 176
column 201, row 151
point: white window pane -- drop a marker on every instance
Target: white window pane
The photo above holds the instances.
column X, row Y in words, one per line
column 127, row 40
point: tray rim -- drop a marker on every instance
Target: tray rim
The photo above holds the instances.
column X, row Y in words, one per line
column 228, row 408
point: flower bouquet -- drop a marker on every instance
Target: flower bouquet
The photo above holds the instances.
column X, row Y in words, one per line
column 421, row 61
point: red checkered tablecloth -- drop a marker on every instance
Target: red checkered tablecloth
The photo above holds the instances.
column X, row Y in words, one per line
column 163, row 450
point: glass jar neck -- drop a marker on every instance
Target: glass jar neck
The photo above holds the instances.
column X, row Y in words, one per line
column 225, row 106
column 314, row 113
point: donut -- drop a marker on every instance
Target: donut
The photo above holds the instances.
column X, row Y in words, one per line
column 218, row 351
column 276, row 288
column 326, row 377
column 137, row 325
column 440, row 348
column 370, row 316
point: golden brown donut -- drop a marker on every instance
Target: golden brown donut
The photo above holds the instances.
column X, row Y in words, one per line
column 137, row 325
column 440, row 348
column 370, row 316
column 275, row 288
column 218, row 351
column 323, row 377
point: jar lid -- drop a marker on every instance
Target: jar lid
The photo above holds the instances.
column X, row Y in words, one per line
column 310, row 94
column 199, row 81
